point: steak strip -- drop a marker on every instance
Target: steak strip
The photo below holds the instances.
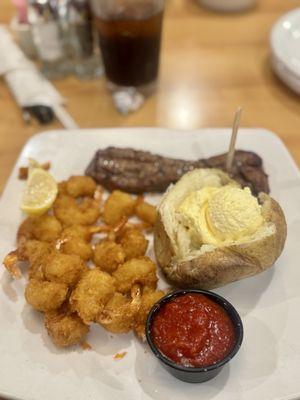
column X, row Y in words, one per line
column 136, row 171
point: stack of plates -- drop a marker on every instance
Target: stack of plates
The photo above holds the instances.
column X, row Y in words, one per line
column 285, row 47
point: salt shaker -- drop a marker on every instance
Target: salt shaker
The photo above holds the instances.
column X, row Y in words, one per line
column 64, row 37
column 82, row 47
column 43, row 16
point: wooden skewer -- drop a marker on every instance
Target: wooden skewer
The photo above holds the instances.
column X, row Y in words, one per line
column 235, row 128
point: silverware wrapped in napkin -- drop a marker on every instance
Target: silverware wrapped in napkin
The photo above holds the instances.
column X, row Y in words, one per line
column 32, row 92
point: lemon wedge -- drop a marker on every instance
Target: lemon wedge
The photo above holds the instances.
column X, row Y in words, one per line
column 40, row 192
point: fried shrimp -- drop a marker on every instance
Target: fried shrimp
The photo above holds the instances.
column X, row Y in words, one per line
column 63, row 268
column 33, row 251
column 36, row 253
column 77, row 247
column 74, row 240
column 114, row 230
column 147, row 301
column 80, row 186
column 70, row 212
column 77, row 278
column 108, row 255
column 118, row 205
column 82, row 231
column 78, row 231
column 140, row 270
column 146, row 212
column 10, row 262
column 65, row 328
column 45, row 296
column 45, row 228
column 91, row 294
column 133, row 242
column 119, row 313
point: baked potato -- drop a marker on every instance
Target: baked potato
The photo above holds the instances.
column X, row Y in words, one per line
column 210, row 260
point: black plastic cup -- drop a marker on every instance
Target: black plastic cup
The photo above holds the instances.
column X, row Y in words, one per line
column 196, row 374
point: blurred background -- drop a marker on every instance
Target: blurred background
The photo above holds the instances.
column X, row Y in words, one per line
column 210, row 64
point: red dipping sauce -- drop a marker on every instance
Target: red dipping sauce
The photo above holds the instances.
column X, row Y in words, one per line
column 193, row 331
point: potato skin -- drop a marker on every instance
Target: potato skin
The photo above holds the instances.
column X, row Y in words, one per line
column 223, row 265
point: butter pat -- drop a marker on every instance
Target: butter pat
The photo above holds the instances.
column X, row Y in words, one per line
column 233, row 213
column 220, row 216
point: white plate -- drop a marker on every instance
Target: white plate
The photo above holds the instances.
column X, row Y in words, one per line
column 285, row 41
column 268, row 364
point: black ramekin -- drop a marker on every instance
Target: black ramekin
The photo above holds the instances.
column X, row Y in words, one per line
column 195, row 374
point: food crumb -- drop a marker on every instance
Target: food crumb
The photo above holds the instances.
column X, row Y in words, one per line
column 86, row 346
column 119, row 356
column 23, row 171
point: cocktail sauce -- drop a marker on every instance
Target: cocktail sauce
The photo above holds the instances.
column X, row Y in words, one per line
column 193, row 331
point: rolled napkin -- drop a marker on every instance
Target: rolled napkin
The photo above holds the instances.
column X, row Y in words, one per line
column 28, row 86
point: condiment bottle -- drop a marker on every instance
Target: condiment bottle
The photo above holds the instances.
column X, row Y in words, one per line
column 43, row 16
column 64, row 37
column 81, row 44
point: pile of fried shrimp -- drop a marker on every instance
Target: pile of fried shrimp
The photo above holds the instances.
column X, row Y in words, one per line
column 86, row 262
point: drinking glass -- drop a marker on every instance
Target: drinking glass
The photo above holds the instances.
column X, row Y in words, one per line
column 129, row 36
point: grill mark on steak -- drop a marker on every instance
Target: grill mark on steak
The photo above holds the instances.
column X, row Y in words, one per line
column 136, row 171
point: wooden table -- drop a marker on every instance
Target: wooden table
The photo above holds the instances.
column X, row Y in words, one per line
column 210, row 64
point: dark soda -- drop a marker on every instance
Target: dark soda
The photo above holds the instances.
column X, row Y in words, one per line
column 130, row 48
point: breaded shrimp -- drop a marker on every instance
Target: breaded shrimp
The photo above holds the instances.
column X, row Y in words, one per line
column 147, row 301
column 108, row 255
column 79, row 186
column 63, row 268
column 10, row 262
column 76, row 247
column 78, row 231
column 62, row 187
column 70, row 212
column 36, row 253
column 146, row 212
column 74, row 240
column 140, row 270
column 33, row 251
column 119, row 313
column 118, row 205
column 65, row 328
column 133, row 242
column 45, row 296
column 45, row 228
column 91, row 294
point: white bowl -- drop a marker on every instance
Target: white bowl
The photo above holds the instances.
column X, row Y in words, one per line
column 290, row 79
column 285, row 41
column 228, row 5
column 285, row 48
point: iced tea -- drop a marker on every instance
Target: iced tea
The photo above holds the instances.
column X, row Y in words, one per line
column 130, row 48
